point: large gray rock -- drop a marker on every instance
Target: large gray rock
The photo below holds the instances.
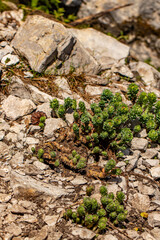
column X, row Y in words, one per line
column 26, row 185
column 150, row 13
column 15, row 107
column 122, row 15
column 103, row 48
column 47, row 43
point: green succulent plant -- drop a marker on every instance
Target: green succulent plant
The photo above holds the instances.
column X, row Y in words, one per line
column 153, row 135
column 96, row 150
column 132, row 91
column 61, row 111
column 110, row 165
column 95, row 216
column 56, row 163
column 101, row 212
column 53, row 154
column 67, row 103
column 88, row 220
column 103, row 190
column 54, row 104
column 120, row 196
column 107, row 95
column 89, row 190
column 81, row 163
column 81, row 211
column 41, row 125
column 76, row 116
column 76, row 129
column 40, row 153
column 121, row 217
column 82, row 106
column 137, row 128
column 113, row 215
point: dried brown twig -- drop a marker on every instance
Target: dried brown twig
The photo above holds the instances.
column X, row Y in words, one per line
column 93, row 17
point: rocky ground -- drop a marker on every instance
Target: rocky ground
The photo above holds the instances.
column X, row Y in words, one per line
column 33, row 195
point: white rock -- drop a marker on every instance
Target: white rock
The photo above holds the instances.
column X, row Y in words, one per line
column 83, row 233
column 151, row 162
column 39, row 96
column 109, row 237
column 15, row 107
column 149, row 153
column 132, row 234
column 147, row 236
column 69, row 118
column 145, row 189
column 4, row 198
column 154, row 219
column 143, row 133
column 62, row 83
column 42, row 233
column 123, row 184
column 3, row 44
column 103, row 48
column 4, row 149
column 97, row 90
column 112, row 188
column 2, row 134
column 13, row 229
column 155, row 172
column 140, row 202
column 40, row 165
column 5, row 51
column 17, row 159
column 28, row 218
column 52, row 124
column 51, row 220
column 124, row 71
column 16, row 14
column 10, row 60
column 156, row 233
column 149, row 75
column 28, row 75
column 93, row 91
column 139, row 143
column 133, row 160
column 4, row 126
column 45, row 107
column 12, row 137
column 31, row 141
column 79, row 180
column 7, row 33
